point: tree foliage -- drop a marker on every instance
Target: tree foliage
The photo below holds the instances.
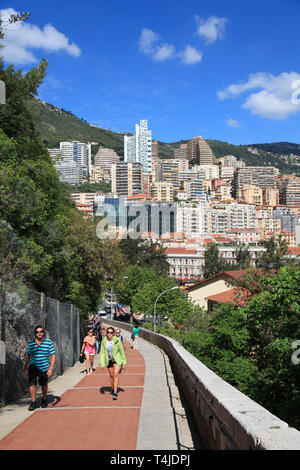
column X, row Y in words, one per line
column 60, row 253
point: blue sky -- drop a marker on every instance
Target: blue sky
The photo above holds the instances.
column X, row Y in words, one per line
column 228, row 71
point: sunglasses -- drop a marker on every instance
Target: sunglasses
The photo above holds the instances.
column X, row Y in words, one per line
column 110, row 332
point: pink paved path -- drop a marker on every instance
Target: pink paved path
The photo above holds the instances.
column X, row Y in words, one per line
column 86, row 417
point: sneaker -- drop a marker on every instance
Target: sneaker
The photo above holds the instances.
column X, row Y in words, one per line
column 44, row 403
column 33, row 405
column 115, row 396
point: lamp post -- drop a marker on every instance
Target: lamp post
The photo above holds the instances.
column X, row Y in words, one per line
column 167, row 290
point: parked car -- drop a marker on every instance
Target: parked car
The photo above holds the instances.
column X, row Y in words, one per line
column 102, row 314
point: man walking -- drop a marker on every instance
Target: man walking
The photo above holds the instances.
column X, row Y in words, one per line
column 38, row 365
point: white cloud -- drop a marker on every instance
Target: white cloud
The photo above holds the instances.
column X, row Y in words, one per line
column 274, row 95
column 190, row 55
column 150, row 44
column 233, row 123
column 21, row 37
column 164, row 52
column 211, row 29
column 147, row 40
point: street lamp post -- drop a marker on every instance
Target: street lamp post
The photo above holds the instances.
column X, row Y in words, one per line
column 167, row 290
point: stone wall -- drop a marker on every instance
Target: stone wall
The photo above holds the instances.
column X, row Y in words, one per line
column 24, row 311
column 225, row 417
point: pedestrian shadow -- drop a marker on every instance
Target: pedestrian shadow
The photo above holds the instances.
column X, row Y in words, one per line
column 53, row 400
column 104, row 390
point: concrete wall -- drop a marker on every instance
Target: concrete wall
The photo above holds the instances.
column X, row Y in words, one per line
column 225, row 417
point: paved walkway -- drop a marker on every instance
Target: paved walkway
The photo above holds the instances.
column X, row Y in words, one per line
column 148, row 415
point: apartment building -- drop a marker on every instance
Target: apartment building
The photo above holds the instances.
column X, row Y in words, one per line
column 252, row 194
column 262, row 176
column 199, row 150
column 146, row 183
column 105, row 158
column 138, row 148
column 181, row 152
column 195, row 188
column 162, row 191
column 208, row 172
column 228, row 216
column 289, row 191
column 126, row 178
column 192, row 219
column 168, row 171
column 69, row 172
column 187, row 263
column 270, row 197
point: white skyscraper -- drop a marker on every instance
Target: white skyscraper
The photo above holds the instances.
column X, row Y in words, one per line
column 138, row 148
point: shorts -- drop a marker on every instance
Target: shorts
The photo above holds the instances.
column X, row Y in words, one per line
column 111, row 363
column 34, row 373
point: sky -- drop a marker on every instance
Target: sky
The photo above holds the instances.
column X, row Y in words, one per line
column 227, row 71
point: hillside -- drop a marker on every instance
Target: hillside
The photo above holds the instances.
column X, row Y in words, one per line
column 56, row 124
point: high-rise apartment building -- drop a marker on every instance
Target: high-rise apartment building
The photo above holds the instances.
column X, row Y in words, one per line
column 105, row 158
column 262, row 176
column 138, row 148
column 195, row 188
column 181, row 152
column 69, row 172
column 126, row 178
column 162, row 191
column 289, row 191
column 154, row 149
column 75, row 151
column 168, row 172
column 199, row 151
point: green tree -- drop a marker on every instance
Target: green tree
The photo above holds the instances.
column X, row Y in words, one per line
column 275, row 254
column 243, row 258
column 145, row 253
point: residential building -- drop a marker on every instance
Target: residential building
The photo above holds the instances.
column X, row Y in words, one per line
column 252, row 194
column 105, row 158
column 262, row 176
column 168, row 172
column 162, row 191
column 289, row 191
column 138, row 148
column 270, row 197
column 199, row 151
column 126, row 178
column 181, row 152
column 69, row 172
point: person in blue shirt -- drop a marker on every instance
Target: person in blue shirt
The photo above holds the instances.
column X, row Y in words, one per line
column 39, row 363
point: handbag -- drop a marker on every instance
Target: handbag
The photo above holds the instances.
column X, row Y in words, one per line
column 81, row 358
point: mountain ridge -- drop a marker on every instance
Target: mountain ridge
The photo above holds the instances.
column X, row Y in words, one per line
column 56, row 124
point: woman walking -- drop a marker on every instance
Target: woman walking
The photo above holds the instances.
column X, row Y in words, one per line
column 112, row 356
column 135, row 336
column 89, row 350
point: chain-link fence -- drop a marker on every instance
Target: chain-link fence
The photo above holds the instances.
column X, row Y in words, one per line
column 23, row 312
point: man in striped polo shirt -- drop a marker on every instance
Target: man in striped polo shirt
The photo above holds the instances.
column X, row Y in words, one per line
column 38, row 365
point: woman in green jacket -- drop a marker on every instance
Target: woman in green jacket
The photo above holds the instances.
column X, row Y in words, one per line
column 112, row 356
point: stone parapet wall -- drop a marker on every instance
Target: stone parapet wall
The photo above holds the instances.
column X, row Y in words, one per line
column 225, row 417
